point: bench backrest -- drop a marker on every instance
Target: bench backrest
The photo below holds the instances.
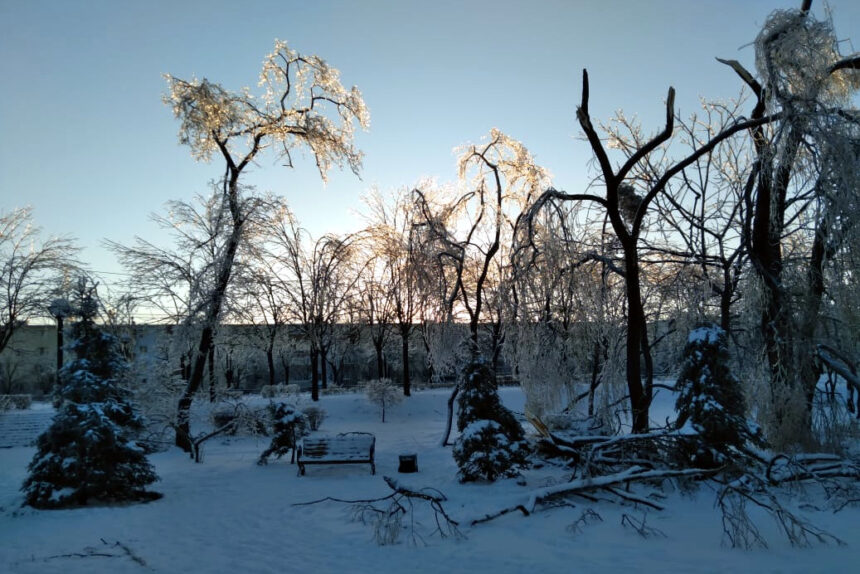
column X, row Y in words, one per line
column 342, row 446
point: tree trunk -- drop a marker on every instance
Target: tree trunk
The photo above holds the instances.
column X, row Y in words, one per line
column 270, row 362
column 809, row 368
column 228, row 370
column 596, row 366
column 324, row 366
column 726, row 302
column 212, row 373
column 639, row 402
column 450, row 419
column 183, row 418
column 285, row 364
column 59, row 348
column 315, row 378
column 496, row 343
column 213, row 311
column 404, row 355
column 380, row 366
column 766, row 253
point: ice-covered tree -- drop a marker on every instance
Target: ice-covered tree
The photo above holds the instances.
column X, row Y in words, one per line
column 491, row 443
column 802, row 196
column 471, row 234
column 315, row 280
column 28, row 266
column 89, row 453
column 383, row 393
column 390, row 231
column 303, row 104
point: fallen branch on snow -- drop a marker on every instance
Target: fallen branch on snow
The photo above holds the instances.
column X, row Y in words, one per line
column 387, row 521
column 632, row 474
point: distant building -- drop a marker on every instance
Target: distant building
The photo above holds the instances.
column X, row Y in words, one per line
column 29, row 362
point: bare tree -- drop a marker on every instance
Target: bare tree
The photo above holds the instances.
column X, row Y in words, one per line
column 391, row 223
column 375, row 304
column 502, row 178
column 29, row 267
column 316, row 279
column 304, row 104
column 626, row 208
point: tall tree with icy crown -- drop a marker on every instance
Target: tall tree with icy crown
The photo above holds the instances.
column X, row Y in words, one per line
column 803, row 194
column 303, row 104
column 88, row 454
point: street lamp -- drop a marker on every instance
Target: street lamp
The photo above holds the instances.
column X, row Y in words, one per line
column 59, row 309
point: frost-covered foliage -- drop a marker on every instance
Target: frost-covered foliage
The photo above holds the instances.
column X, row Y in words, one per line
column 89, row 453
column 383, row 393
column 289, row 426
column 491, row 444
column 304, row 102
column 544, row 371
column 794, row 53
column 445, row 347
column 710, row 399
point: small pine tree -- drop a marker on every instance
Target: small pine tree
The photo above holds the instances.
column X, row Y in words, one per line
column 711, row 400
column 88, row 453
column 289, row 427
column 491, row 442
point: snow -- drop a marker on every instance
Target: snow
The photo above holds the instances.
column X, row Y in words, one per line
column 706, row 334
column 230, row 515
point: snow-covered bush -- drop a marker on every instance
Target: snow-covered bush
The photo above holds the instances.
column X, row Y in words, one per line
column 711, row 401
column 383, row 393
column 315, row 415
column 288, row 426
column 491, row 442
column 89, row 453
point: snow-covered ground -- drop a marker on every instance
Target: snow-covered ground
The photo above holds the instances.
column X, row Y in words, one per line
column 230, row 515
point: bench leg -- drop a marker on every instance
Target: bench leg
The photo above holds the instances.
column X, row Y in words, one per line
column 372, row 467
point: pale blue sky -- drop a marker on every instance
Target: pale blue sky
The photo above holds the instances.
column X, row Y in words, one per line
column 85, row 139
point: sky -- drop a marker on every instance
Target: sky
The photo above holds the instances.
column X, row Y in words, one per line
column 87, row 142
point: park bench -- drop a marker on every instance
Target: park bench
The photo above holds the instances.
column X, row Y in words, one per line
column 345, row 448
